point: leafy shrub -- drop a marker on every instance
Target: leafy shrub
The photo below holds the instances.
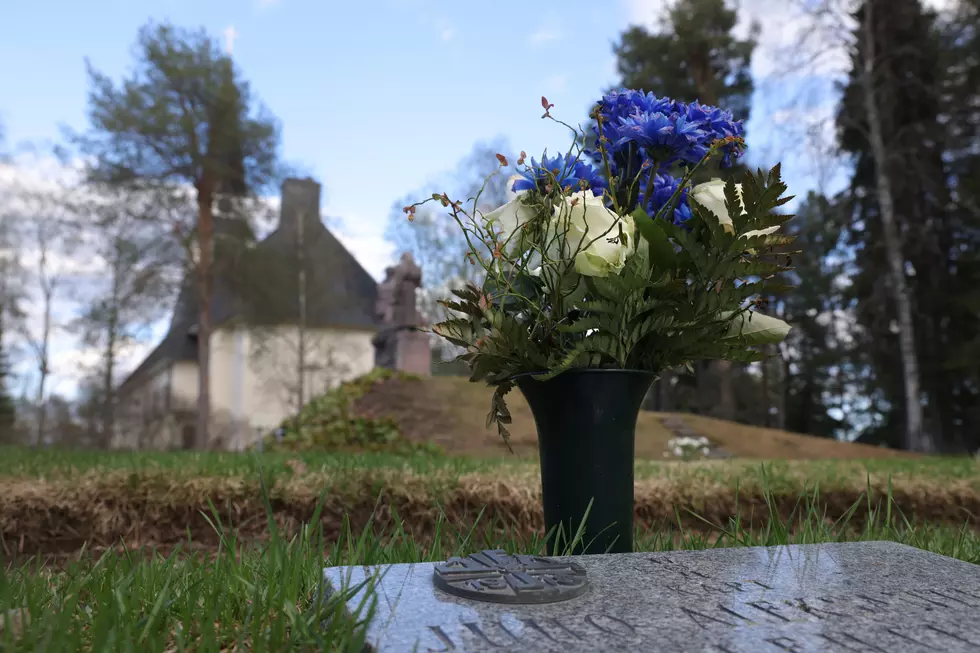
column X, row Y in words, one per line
column 328, row 423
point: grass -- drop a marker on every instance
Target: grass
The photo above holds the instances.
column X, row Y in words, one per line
column 241, row 539
column 53, row 502
column 184, row 551
column 451, row 412
column 244, row 597
column 53, row 464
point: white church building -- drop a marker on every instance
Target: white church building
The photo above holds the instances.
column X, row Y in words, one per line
column 263, row 365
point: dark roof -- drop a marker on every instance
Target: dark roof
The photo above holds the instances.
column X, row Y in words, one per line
column 258, row 283
column 339, row 292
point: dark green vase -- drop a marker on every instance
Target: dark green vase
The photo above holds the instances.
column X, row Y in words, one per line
column 586, row 422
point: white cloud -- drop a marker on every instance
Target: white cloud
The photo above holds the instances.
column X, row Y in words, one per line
column 448, row 33
column 787, row 38
column 544, row 35
column 373, row 252
column 364, row 239
column 797, row 58
column 645, row 13
column 230, row 35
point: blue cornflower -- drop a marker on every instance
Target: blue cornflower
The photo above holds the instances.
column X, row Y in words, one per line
column 614, row 107
column 664, row 187
column 666, row 138
column 663, row 130
column 569, row 171
column 718, row 124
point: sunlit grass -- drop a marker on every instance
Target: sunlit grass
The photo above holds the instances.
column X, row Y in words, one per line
column 59, row 464
column 264, row 598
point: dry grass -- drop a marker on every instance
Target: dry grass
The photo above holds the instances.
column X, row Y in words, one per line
column 157, row 509
column 451, row 412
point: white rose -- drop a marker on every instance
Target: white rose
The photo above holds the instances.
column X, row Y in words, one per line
column 711, row 195
column 590, row 226
column 507, row 219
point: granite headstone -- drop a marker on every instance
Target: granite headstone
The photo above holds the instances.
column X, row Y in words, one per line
column 872, row 597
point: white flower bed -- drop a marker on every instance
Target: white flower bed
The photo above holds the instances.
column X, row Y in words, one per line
column 687, row 448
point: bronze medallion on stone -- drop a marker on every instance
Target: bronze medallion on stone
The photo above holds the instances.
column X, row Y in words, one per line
column 497, row 577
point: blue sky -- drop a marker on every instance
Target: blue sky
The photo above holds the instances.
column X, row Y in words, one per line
column 381, row 97
column 375, row 98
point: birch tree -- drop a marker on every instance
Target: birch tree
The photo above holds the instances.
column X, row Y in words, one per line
column 886, row 135
column 914, row 436
column 138, row 265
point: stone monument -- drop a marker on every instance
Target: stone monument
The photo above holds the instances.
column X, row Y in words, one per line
column 400, row 344
column 870, row 597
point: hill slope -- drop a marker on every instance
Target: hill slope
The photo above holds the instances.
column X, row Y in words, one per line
column 451, row 412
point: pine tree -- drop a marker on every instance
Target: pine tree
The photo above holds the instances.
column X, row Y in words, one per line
column 184, row 118
column 908, row 78
column 694, row 55
column 959, row 37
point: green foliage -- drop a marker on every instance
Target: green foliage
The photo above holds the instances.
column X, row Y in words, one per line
column 183, row 116
column 686, row 295
column 328, row 423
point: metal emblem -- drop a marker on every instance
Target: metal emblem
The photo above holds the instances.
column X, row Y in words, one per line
column 497, row 577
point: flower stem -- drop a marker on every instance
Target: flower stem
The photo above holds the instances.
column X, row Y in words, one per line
column 648, row 193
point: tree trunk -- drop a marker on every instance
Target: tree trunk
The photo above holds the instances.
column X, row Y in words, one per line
column 204, row 282
column 915, row 438
column 726, row 390
column 39, row 397
column 47, row 291
column 766, row 399
column 702, row 373
column 784, row 395
column 780, row 393
column 112, row 331
column 108, row 396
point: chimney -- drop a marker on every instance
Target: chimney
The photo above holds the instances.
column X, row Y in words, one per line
column 300, row 200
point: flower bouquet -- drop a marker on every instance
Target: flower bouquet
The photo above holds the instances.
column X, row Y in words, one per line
column 607, row 266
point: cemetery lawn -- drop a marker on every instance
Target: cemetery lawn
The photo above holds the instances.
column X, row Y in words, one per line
column 243, row 596
column 187, row 551
column 56, row 502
